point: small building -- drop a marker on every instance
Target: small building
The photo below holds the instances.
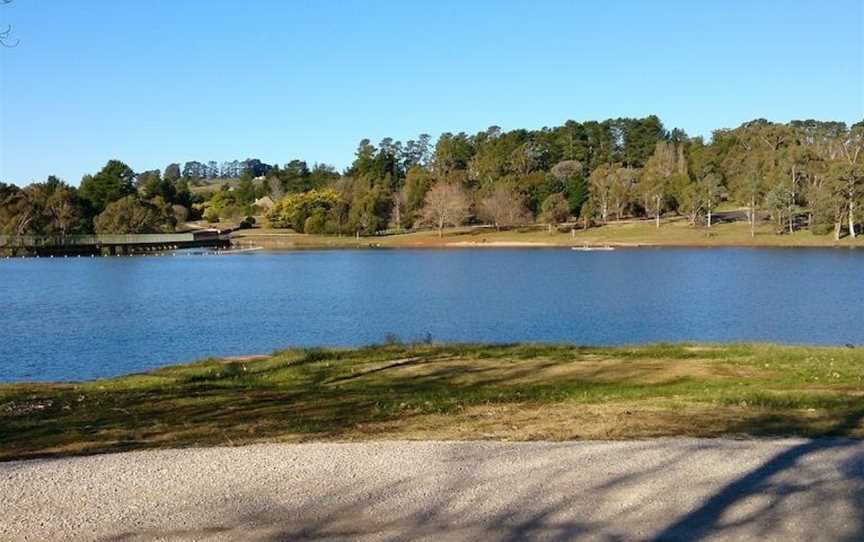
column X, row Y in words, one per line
column 265, row 203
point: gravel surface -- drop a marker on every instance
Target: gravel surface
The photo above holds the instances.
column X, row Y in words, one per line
column 666, row 489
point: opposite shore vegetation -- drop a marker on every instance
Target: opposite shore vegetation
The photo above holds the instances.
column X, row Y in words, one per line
column 624, row 181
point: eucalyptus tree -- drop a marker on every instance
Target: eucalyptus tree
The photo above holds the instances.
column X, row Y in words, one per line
column 63, row 212
column 624, row 180
column 850, row 170
column 601, row 181
column 526, row 158
column 20, row 211
column 656, row 177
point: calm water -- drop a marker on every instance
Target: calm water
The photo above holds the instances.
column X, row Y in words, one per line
column 67, row 319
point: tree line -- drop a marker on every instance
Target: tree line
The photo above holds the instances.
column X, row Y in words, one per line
column 113, row 200
column 802, row 174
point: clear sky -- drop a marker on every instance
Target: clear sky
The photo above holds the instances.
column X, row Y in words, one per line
column 153, row 82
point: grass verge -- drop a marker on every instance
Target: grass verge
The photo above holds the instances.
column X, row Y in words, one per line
column 507, row 392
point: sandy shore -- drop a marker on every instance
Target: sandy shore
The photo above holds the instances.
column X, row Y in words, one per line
column 500, row 244
column 669, row 489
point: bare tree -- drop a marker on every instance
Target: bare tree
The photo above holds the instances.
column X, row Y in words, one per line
column 446, row 205
column 6, row 35
column 504, row 207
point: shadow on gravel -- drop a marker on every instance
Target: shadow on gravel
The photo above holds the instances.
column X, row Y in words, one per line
column 524, row 498
column 707, row 519
column 794, row 495
column 759, row 502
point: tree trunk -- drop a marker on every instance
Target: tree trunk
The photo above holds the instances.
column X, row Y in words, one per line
column 837, row 226
column 852, row 218
column 709, row 217
column 398, row 218
column 752, row 218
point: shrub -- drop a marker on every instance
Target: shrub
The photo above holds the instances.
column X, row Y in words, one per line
column 246, row 223
column 295, row 210
column 316, row 223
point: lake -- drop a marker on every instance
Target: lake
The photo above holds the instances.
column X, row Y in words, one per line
column 81, row 318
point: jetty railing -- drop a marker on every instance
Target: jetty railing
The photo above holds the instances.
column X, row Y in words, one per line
column 113, row 242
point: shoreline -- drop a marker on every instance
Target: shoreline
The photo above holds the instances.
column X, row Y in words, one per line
column 630, row 234
column 526, row 245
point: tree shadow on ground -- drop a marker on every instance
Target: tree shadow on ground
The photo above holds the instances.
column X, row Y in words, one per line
column 707, row 519
column 530, row 491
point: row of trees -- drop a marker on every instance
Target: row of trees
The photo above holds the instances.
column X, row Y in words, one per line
column 114, row 200
column 213, row 170
column 804, row 174
column 801, row 174
column 194, row 171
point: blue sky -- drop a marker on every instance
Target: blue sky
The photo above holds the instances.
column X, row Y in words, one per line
column 150, row 82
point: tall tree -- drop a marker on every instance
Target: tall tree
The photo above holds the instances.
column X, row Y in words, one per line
column 452, row 153
column 114, row 181
column 656, row 177
column 600, row 183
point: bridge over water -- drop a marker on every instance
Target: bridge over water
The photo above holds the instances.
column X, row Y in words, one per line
column 110, row 244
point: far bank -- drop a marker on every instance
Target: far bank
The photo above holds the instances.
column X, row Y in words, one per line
column 674, row 232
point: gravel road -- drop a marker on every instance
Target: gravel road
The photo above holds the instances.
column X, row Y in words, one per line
column 666, row 489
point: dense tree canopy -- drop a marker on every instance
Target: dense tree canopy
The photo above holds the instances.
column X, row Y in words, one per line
column 131, row 214
column 803, row 174
column 113, row 182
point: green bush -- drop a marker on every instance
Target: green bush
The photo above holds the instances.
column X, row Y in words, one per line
column 316, row 223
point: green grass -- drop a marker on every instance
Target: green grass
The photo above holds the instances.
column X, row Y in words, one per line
column 513, row 392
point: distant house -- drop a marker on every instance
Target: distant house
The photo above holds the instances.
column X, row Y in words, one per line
column 264, row 203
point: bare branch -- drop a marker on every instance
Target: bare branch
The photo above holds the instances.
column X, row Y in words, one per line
column 5, row 35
